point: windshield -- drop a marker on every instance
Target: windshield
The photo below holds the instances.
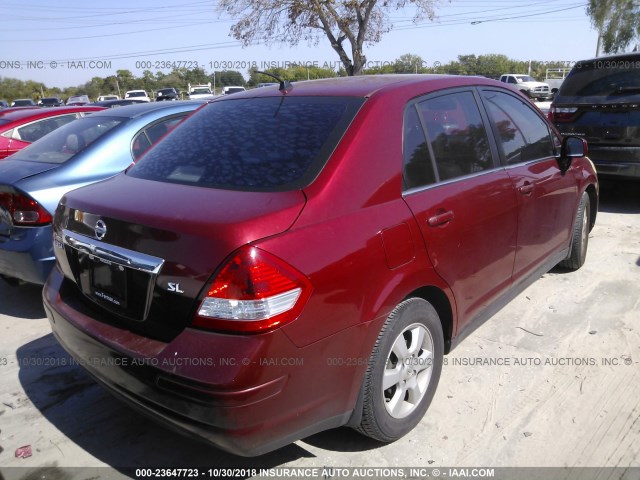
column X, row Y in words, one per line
column 525, row 78
column 136, row 94
column 602, row 78
column 200, row 91
column 256, row 144
column 63, row 143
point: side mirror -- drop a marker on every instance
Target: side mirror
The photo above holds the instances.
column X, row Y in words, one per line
column 572, row 147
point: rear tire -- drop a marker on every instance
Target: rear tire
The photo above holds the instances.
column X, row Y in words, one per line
column 580, row 238
column 403, row 371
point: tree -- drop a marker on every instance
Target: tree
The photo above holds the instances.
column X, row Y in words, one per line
column 226, row 78
column 617, row 22
column 357, row 22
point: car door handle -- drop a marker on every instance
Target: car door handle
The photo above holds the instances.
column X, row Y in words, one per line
column 440, row 218
column 526, row 189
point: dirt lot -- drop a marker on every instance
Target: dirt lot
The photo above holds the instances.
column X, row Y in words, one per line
column 563, row 390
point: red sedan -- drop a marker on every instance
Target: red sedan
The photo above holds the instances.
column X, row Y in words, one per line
column 296, row 259
column 21, row 127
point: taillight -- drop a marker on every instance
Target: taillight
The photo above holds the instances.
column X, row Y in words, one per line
column 24, row 210
column 562, row 114
column 253, row 292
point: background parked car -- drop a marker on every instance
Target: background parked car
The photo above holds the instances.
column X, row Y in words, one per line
column 90, row 149
column 51, row 102
column 528, row 85
column 3, row 104
column 370, row 225
column 167, row 94
column 599, row 101
column 200, row 92
column 118, row 103
column 19, row 128
column 138, row 95
column 229, row 90
column 78, row 100
column 23, row 102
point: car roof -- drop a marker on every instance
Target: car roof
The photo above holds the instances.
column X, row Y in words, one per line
column 140, row 109
column 8, row 110
column 633, row 56
column 368, row 85
column 37, row 112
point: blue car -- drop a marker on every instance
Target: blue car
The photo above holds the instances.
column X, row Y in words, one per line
column 85, row 151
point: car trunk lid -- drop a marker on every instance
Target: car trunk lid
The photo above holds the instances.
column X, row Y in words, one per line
column 12, row 171
column 149, row 267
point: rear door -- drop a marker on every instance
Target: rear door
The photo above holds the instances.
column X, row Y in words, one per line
column 462, row 198
column 547, row 198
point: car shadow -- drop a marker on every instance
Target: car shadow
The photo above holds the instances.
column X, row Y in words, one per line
column 24, row 301
column 118, row 436
column 618, row 196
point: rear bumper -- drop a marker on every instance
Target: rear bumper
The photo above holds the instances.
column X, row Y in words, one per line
column 27, row 254
column 235, row 398
column 616, row 162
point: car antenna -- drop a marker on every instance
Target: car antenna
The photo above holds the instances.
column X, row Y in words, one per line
column 285, row 85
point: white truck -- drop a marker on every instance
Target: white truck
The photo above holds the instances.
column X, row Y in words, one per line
column 528, row 85
column 554, row 78
column 199, row 92
column 228, row 90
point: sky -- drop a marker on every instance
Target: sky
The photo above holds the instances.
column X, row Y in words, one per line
column 68, row 42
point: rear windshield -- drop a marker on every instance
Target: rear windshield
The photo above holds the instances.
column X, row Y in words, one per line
column 255, row 144
column 603, row 78
column 63, row 143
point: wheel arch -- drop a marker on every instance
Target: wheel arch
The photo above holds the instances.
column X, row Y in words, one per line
column 442, row 305
column 593, row 205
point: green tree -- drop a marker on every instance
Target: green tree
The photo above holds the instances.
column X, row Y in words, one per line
column 225, row 78
column 346, row 24
column 617, row 22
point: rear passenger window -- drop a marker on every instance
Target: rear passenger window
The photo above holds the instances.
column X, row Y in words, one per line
column 417, row 167
column 153, row 134
column 36, row 130
column 521, row 133
column 456, row 135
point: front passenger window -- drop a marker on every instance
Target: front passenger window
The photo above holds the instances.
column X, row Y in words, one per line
column 522, row 134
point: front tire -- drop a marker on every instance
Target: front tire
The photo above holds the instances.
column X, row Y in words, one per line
column 403, row 371
column 580, row 236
